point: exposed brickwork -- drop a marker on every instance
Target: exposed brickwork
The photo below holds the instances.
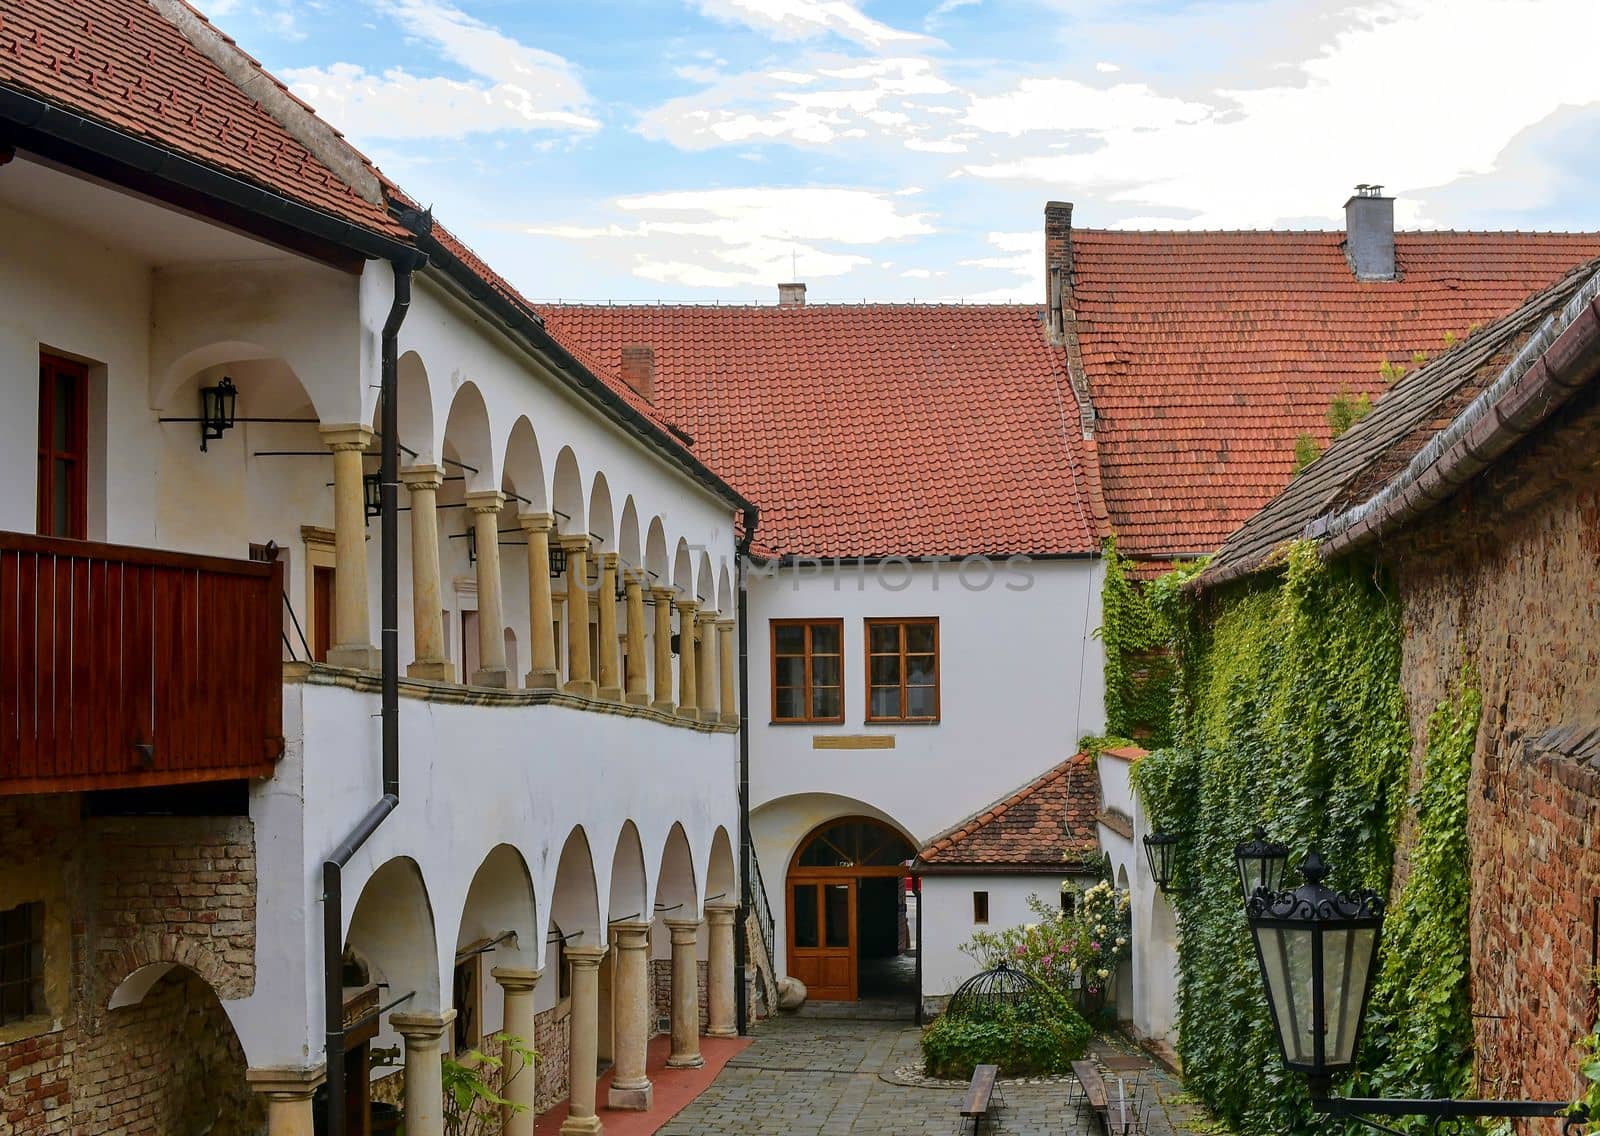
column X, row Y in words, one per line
column 661, row 987
column 1508, row 577
column 120, row 895
column 552, row 1038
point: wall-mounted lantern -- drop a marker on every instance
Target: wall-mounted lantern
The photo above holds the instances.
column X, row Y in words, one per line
column 472, row 543
column 1261, row 863
column 1318, row 954
column 372, row 490
column 217, row 406
column 558, row 562
column 1161, row 849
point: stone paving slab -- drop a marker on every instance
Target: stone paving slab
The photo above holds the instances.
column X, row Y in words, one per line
column 831, row 1076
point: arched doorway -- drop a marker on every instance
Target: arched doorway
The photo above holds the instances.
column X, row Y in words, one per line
column 844, row 904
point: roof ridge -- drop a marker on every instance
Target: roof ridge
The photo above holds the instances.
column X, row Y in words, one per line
column 321, row 140
column 758, row 305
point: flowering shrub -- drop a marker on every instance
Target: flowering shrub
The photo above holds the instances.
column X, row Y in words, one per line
column 1045, row 1039
column 1075, row 953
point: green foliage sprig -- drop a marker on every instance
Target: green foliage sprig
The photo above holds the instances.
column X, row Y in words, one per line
column 1137, row 629
column 475, row 1103
column 1291, row 715
column 1021, row 1043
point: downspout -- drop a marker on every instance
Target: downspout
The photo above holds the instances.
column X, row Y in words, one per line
column 389, row 703
column 741, row 947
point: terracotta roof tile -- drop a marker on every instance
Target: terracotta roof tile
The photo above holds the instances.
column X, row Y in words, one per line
column 123, row 63
column 1208, row 353
column 1048, row 823
column 870, row 430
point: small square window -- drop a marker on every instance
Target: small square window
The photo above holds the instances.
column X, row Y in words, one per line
column 1069, row 901
column 980, row 907
column 21, row 962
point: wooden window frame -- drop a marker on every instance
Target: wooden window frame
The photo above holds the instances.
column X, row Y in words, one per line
column 29, row 945
column 980, row 908
column 773, row 626
column 938, row 678
column 77, row 451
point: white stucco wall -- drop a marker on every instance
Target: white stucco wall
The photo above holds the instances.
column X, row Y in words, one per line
column 947, row 919
column 1021, row 679
column 1153, row 968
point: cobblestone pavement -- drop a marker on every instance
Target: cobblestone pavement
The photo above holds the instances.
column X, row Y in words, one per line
column 824, row 1076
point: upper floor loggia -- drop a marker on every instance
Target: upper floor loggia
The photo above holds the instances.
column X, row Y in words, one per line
column 188, row 518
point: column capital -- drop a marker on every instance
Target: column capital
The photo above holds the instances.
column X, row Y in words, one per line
column 609, row 560
column 586, row 958
column 708, row 617
column 630, row 934
column 635, row 576
column 285, row 1082
column 422, row 1028
column 725, row 624
column 720, row 913
column 688, row 607
column 573, row 542
column 516, row 977
column 423, row 477
column 662, row 594
column 536, row 522
column 485, row 501
column 346, row 436
column 684, row 931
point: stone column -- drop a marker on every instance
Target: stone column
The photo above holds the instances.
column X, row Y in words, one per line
column 719, row 972
column 608, row 663
column 352, row 632
column 634, row 680
column 424, row 1034
column 517, row 985
column 427, row 612
column 662, row 598
column 542, row 666
column 630, row 977
column 580, row 679
column 492, row 670
column 685, row 994
column 288, row 1092
column 705, row 660
column 583, row 1049
column 727, row 664
column 688, row 677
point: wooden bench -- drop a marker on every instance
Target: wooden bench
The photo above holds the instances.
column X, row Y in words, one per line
column 976, row 1103
column 1116, row 1117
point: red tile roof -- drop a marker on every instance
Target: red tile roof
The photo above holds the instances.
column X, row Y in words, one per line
column 1208, row 353
column 123, row 63
column 1049, row 823
column 871, row 430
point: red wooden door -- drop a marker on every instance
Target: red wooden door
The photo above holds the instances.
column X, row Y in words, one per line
column 822, row 936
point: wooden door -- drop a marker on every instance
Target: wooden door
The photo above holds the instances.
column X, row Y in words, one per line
column 322, row 612
column 822, row 936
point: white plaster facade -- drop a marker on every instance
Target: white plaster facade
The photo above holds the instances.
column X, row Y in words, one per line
column 948, row 922
column 517, row 813
column 1152, row 969
column 1021, row 675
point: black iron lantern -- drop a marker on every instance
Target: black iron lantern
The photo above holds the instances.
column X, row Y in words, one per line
column 217, row 406
column 372, row 489
column 1318, row 951
column 1161, row 849
column 558, row 562
column 1261, row 863
column 472, row 543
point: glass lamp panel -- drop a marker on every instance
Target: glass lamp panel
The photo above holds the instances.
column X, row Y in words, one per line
column 1285, row 956
column 1347, row 957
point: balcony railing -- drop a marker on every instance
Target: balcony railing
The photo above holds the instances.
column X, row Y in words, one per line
column 126, row 667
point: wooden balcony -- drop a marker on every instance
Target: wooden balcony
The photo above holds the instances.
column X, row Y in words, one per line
column 127, row 667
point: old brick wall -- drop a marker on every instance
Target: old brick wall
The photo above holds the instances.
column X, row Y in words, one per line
column 661, row 988
column 552, row 1035
column 127, row 893
column 1508, row 578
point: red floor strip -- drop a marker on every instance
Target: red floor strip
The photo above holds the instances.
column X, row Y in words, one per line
column 674, row 1088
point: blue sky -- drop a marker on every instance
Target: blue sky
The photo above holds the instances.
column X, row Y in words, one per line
column 890, row 149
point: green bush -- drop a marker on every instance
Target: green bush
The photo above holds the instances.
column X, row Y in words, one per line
column 1022, row 1043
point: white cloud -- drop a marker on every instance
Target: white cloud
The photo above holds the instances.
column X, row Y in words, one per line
column 807, row 19
column 1065, row 104
column 517, row 87
column 725, row 238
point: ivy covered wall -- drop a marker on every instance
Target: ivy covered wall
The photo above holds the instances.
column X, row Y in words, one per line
column 1288, row 711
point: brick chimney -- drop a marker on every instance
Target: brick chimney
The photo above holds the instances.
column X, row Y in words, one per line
column 791, row 295
column 1057, row 263
column 639, row 369
column 1369, row 233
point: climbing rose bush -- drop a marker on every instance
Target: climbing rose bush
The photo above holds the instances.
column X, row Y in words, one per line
column 1075, row 953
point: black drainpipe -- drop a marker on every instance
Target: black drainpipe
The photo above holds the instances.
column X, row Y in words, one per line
column 741, row 952
column 332, row 891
